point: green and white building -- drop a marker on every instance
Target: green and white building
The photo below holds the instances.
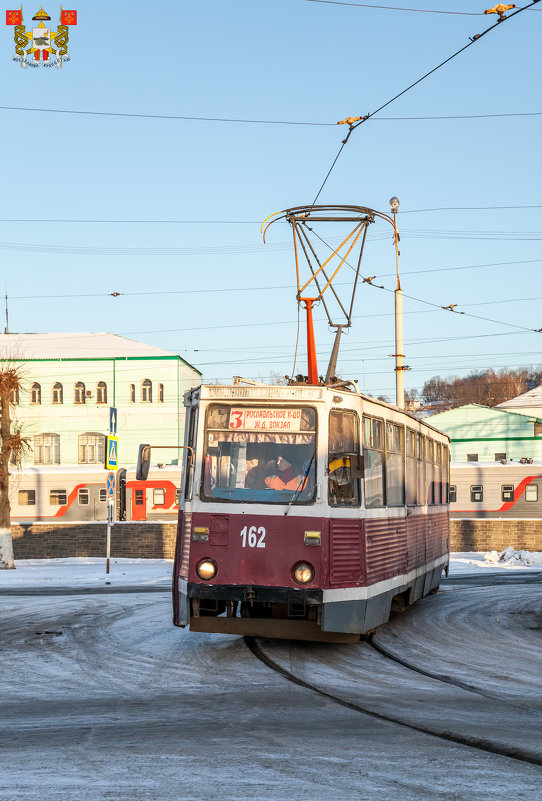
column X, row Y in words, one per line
column 482, row 433
column 70, row 381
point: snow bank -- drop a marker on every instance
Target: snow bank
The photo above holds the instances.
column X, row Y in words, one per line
column 87, row 572
column 511, row 557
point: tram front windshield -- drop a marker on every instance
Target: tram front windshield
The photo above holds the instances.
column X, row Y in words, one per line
column 260, row 454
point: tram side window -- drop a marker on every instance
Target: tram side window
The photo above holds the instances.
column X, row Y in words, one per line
column 429, row 487
column 411, row 468
column 477, row 493
column 343, row 473
column 531, row 492
column 437, row 473
column 189, row 453
column 507, row 493
column 453, row 493
column 445, row 486
column 395, row 458
column 373, row 462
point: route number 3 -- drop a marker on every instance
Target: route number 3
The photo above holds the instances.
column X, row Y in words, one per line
column 253, row 537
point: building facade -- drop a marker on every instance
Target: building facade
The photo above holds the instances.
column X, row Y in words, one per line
column 482, row 433
column 69, row 383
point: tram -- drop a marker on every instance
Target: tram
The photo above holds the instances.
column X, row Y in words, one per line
column 308, row 510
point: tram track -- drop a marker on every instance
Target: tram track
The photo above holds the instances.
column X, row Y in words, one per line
column 478, row 743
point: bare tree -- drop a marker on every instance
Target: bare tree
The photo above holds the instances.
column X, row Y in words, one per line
column 12, row 448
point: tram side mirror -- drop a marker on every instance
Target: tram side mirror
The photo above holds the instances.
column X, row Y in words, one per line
column 143, row 462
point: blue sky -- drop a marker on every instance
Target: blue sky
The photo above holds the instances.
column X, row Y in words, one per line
column 190, row 287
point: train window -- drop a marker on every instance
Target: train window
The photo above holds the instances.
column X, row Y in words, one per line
column 159, row 496
column 453, row 493
column 374, row 463
column 83, row 497
column 531, row 492
column 260, row 454
column 139, row 498
column 507, row 493
column 47, row 449
column 343, row 471
column 477, row 493
column 103, row 495
column 411, row 467
column 472, row 457
column 395, row 460
column 27, row 497
column 58, row 393
column 35, row 393
column 91, row 448
column 58, row 497
column 177, row 496
column 101, row 392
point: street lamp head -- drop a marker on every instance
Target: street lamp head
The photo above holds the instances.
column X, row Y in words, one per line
column 394, row 204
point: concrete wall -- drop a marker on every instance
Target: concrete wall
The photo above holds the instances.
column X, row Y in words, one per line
column 46, row 541
column 157, row 540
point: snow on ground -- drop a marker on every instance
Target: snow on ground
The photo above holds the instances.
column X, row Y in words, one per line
column 90, row 572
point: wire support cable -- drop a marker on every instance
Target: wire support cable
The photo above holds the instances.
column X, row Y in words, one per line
column 400, row 8
column 354, row 125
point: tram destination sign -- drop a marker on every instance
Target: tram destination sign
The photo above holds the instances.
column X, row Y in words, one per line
column 262, row 419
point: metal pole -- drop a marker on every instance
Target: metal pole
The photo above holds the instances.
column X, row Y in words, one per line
column 399, row 345
column 108, row 544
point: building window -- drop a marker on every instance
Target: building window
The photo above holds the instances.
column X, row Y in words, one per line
column 477, row 493
column 103, row 495
column 507, row 493
column 146, row 391
column 472, row 457
column 14, row 396
column 160, row 393
column 47, row 449
column 83, row 497
column 531, row 492
column 91, row 448
column 132, row 393
column 101, row 392
column 453, row 493
column 500, row 457
column 79, row 393
column 35, row 393
column 58, row 393
column 159, row 496
column 538, row 429
column 58, row 497
column 27, row 497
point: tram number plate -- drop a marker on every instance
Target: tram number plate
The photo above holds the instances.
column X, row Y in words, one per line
column 253, row 537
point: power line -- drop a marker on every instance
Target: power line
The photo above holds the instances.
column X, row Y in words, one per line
column 397, row 8
column 354, row 126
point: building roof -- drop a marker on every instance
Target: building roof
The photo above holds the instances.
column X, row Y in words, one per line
column 83, row 345
column 531, row 398
column 467, row 406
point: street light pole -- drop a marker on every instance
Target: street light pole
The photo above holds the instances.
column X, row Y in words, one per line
column 399, row 355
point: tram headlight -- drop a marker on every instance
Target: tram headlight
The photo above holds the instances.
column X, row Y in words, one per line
column 206, row 569
column 303, row 573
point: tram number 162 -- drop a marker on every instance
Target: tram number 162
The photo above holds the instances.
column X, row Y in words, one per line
column 253, row 537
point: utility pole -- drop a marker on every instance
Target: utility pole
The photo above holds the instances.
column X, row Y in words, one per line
column 6, row 329
column 399, row 346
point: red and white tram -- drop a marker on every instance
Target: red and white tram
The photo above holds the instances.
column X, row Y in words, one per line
column 306, row 511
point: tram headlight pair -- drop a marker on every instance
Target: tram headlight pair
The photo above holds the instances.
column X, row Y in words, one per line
column 207, row 569
column 303, row 573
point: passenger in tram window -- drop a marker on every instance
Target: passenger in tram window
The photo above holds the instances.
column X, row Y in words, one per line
column 281, row 475
column 255, row 477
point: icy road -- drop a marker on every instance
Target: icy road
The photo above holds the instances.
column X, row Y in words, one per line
column 103, row 699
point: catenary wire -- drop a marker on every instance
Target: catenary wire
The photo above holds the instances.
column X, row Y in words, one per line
column 399, row 8
column 472, row 41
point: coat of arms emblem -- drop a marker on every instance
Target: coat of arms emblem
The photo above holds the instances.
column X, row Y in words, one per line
column 42, row 42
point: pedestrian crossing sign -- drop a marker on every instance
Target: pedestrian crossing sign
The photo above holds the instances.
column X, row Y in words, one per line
column 112, row 453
